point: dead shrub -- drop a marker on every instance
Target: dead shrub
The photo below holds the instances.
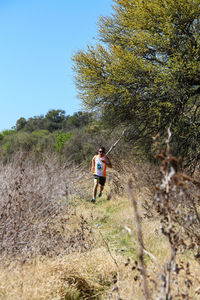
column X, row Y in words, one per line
column 176, row 203
column 35, row 212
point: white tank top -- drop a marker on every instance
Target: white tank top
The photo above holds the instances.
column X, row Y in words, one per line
column 100, row 167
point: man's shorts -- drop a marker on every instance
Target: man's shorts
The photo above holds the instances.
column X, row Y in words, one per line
column 100, row 179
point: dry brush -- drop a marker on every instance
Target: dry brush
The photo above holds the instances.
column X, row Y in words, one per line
column 34, row 209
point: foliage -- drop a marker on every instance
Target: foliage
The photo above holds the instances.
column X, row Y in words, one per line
column 14, row 142
column 61, row 139
column 21, row 122
column 40, row 133
column 6, row 148
column 78, row 120
column 7, row 132
column 54, row 119
column 144, row 72
column 78, row 148
column 33, row 123
column 47, row 134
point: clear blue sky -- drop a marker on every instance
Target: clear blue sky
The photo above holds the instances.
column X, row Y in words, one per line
column 37, row 41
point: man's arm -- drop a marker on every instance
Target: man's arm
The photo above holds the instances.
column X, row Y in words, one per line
column 108, row 163
column 93, row 164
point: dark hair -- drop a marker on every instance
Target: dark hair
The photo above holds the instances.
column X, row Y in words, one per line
column 103, row 149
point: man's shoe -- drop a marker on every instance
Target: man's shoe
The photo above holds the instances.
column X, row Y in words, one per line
column 100, row 194
column 93, row 200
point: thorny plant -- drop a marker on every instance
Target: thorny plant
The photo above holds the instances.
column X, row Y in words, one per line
column 178, row 197
column 35, row 211
column 177, row 203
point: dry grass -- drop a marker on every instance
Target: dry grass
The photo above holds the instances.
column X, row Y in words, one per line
column 85, row 275
column 90, row 240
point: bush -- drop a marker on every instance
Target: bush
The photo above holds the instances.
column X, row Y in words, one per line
column 61, row 139
column 34, row 209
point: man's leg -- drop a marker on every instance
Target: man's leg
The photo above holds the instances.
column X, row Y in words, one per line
column 96, row 183
column 101, row 190
column 101, row 182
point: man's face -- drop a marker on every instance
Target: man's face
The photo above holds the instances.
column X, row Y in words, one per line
column 101, row 153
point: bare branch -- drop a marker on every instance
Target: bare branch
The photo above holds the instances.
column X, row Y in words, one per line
column 140, row 239
column 114, row 145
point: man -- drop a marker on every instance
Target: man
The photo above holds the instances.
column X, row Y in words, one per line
column 99, row 164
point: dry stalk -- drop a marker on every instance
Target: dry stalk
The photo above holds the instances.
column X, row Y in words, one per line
column 132, row 196
column 116, row 288
column 176, row 201
column 169, row 172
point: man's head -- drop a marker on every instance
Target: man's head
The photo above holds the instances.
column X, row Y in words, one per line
column 101, row 151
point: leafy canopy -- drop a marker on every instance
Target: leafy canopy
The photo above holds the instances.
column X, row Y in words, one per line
column 145, row 70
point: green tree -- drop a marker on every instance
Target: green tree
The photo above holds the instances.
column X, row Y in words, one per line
column 78, row 120
column 144, row 72
column 32, row 124
column 55, row 119
column 20, row 124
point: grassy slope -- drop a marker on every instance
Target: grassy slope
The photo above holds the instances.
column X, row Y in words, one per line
column 92, row 275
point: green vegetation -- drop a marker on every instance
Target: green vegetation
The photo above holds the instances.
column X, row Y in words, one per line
column 61, row 139
column 50, row 134
column 144, row 73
